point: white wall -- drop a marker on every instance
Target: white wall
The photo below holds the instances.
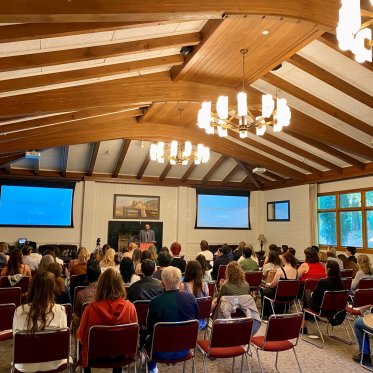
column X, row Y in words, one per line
column 359, row 183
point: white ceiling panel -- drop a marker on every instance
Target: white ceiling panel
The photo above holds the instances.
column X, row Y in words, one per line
column 201, row 170
column 51, row 159
column 223, row 170
column 137, row 152
column 238, row 177
column 24, row 164
column 107, row 156
column 79, row 157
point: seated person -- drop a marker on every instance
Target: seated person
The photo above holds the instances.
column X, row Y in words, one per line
column 109, row 308
column 61, row 291
column 359, row 327
column 127, row 271
column 349, row 264
column 351, row 251
column 177, row 261
column 237, row 253
column 147, row 287
column 273, row 263
column 80, row 266
column 172, row 306
column 247, row 263
column 222, row 257
column 40, row 313
column 3, row 254
column 205, row 251
column 109, row 260
column 311, row 268
column 331, row 254
column 293, row 252
column 365, row 270
column 206, row 267
column 15, row 268
column 27, row 259
column 164, row 260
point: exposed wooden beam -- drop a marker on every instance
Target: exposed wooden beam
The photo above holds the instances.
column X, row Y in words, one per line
column 212, row 170
column 8, row 159
column 32, row 31
column 146, row 113
column 331, row 41
column 190, row 169
column 65, row 157
column 123, row 152
column 249, row 174
column 87, row 73
column 26, row 61
column 331, row 79
column 92, row 162
column 165, row 171
column 230, row 174
column 8, row 168
column 24, row 11
column 210, row 27
column 274, row 176
column 328, row 149
column 37, row 167
column 319, row 103
column 143, row 167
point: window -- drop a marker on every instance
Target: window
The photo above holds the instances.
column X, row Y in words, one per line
column 278, row 211
column 346, row 218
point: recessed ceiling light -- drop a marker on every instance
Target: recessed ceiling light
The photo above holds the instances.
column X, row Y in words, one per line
column 265, row 32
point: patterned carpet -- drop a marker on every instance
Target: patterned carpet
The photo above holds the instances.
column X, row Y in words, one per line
column 336, row 357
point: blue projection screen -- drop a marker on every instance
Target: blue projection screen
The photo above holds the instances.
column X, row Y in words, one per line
column 40, row 206
column 222, row 211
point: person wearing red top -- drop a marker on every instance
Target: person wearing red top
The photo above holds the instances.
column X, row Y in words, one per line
column 110, row 308
column 312, row 268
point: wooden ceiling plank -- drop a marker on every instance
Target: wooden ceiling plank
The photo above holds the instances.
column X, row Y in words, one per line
column 65, row 157
column 165, row 171
column 92, row 162
column 36, row 166
column 275, row 176
column 44, row 80
column 331, row 79
column 178, row 72
column 230, row 174
column 123, row 152
column 213, row 169
column 32, row 31
column 186, row 174
column 147, row 113
column 328, row 149
column 143, row 167
column 32, row 60
column 249, row 174
column 319, row 103
column 331, row 41
column 24, row 11
column 8, row 159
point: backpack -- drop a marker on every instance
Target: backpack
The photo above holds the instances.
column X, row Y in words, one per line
column 337, row 318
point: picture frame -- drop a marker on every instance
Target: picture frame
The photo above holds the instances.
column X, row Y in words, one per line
column 130, row 206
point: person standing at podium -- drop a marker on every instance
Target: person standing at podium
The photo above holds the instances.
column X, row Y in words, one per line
column 147, row 234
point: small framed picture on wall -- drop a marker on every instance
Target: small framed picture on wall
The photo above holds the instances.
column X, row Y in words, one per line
column 127, row 206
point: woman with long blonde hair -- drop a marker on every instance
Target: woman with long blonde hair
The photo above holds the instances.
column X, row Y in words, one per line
column 80, row 267
column 109, row 260
column 365, row 270
column 153, row 251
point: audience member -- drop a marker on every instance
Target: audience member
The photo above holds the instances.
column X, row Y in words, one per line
column 177, row 261
column 238, row 252
column 221, row 258
column 108, row 261
column 153, row 251
column 164, row 260
column 322, row 256
column 206, row 267
column 61, row 291
column 109, row 308
column 136, row 258
column 145, row 254
column 284, row 249
column 102, row 252
column 44, row 263
column 205, row 251
column 27, row 259
column 349, row 264
column 293, row 252
column 351, row 251
column 365, row 270
column 272, row 264
column 127, row 271
column 74, row 259
column 331, row 253
column 172, row 306
column 3, row 254
column 359, row 327
column 39, row 314
column 55, row 253
column 147, row 287
column 313, row 299
column 36, row 255
column 88, row 294
column 15, row 267
column 254, row 257
column 128, row 252
column 315, row 247
column 247, row 264
column 311, row 268
column 80, row 267
column 164, row 249
column 287, row 272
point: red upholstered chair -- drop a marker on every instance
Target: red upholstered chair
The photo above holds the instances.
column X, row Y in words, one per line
column 211, row 285
column 347, row 272
column 310, row 284
column 6, row 321
column 142, row 307
column 112, row 346
column 282, row 334
column 204, row 305
column 332, row 303
column 10, row 295
column 173, row 337
column 347, row 281
column 69, row 313
column 77, row 289
column 23, row 283
column 254, row 279
column 286, row 294
column 221, row 272
column 42, row 347
column 229, row 338
column 365, row 283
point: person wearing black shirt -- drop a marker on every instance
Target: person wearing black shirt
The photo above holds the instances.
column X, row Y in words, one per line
column 351, row 251
column 177, row 261
column 222, row 257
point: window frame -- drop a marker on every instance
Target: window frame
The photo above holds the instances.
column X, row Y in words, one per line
column 338, row 210
column 275, row 203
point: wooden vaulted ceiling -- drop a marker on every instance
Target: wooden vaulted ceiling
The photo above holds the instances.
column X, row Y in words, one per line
column 91, row 84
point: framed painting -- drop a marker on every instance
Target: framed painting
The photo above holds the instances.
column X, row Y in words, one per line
column 127, row 206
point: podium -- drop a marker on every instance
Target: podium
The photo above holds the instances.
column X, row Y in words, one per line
column 145, row 245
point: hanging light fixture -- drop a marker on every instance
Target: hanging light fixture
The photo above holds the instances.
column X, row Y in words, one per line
column 352, row 34
column 274, row 112
column 179, row 153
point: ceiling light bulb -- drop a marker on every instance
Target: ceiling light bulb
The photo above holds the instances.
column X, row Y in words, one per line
column 222, row 107
column 153, row 152
column 242, row 104
column 265, row 32
column 268, row 104
column 173, row 148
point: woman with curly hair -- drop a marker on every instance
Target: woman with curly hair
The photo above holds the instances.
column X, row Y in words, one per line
column 109, row 260
column 365, row 270
column 15, row 265
column 39, row 314
column 61, row 291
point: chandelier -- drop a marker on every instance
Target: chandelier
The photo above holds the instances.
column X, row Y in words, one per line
column 352, row 34
column 179, row 153
column 275, row 113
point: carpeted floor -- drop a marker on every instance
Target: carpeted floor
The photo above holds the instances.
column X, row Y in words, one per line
column 336, row 357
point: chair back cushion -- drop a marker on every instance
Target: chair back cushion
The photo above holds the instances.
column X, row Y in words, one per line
column 311, row 283
column 254, row 278
column 142, row 307
column 365, row 283
column 287, row 289
column 283, row 327
column 221, row 272
column 363, row 297
column 211, row 286
column 10, row 295
column 204, row 305
column 6, row 316
column 334, row 301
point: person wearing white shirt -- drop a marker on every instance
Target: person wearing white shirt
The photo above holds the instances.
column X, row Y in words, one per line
column 27, row 259
column 205, row 251
column 41, row 296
